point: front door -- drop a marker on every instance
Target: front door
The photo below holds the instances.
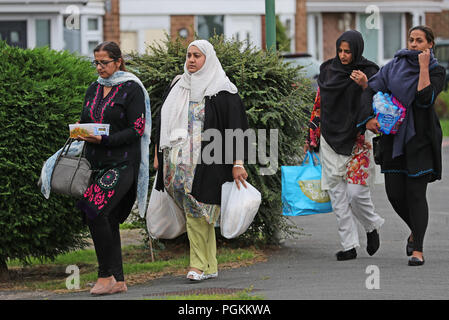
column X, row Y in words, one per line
column 14, row 32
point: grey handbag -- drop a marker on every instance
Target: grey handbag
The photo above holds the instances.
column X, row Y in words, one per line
column 71, row 174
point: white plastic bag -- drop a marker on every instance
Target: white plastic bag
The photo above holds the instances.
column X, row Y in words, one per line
column 238, row 208
column 165, row 220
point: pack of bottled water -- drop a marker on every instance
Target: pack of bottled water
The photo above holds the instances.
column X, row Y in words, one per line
column 390, row 113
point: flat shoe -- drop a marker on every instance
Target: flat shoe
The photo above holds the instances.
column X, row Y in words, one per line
column 100, row 289
column 346, row 255
column 211, row 275
column 195, row 276
column 413, row 261
column 119, row 287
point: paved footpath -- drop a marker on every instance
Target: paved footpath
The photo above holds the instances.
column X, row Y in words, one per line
column 306, row 268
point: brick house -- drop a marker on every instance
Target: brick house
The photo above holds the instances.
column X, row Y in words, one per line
column 143, row 22
column 313, row 25
column 75, row 25
column 384, row 24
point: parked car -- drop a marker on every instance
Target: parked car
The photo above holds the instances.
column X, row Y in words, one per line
column 442, row 54
column 311, row 66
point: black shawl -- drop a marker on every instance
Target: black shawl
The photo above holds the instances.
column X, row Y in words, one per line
column 222, row 111
column 340, row 95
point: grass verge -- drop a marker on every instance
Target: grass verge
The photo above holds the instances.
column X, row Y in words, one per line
column 445, row 127
column 137, row 264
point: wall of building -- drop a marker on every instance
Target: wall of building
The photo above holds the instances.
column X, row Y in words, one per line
column 111, row 21
column 439, row 22
column 179, row 22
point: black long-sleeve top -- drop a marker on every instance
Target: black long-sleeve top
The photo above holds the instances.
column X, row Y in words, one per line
column 222, row 111
column 422, row 154
column 124, row 109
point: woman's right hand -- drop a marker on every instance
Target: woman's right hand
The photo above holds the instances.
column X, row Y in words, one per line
column 306, row 147
column 373, row 125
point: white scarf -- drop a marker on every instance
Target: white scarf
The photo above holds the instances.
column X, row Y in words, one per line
column 206, row 82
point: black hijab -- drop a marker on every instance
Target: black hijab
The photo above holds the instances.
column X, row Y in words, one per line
column 340, row 96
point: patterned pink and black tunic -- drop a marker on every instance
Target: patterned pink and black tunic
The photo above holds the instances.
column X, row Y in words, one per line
column 116, row 160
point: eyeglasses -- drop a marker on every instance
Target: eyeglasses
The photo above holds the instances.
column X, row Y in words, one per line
column 103, row 64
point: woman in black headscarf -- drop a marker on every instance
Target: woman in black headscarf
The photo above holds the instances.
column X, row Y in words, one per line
column 336, row 129
column 412, row 157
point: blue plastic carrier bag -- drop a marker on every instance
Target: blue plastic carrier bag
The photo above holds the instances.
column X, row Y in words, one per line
column 301, row 188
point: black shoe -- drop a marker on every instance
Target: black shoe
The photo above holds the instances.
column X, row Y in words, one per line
column 346, row 255
column 373, row 242
column 413, row 261
column 409, row 247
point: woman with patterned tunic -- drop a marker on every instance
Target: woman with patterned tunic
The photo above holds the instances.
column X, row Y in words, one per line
column 202, row 98
column 337, row 130
column 120, row 160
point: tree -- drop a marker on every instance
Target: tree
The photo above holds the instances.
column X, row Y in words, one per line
column 282, row 40
column 42, row 92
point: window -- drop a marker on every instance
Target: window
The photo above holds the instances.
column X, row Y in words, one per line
column 92, row 24
column 72, row 36
column 370, row 37
column 14, row 33
column 392, row 25
column 210, row 25
column 314, row 36
column 42, row 32
column 91, row 45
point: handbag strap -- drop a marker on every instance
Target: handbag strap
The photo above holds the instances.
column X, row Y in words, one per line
column 67, row 144
column 77, row 165
column 311, row 156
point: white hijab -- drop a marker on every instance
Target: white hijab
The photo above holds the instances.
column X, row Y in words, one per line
column 206, row 82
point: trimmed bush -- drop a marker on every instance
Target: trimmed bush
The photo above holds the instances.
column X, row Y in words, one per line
column 274, row 95
column 42, row 92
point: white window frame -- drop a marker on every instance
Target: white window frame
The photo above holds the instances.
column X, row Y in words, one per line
column 90, row 35
column 312, row 33
column 380, row 39
column 381, row 58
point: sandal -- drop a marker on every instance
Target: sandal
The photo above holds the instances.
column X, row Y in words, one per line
column 211, row 275
column 195, row 276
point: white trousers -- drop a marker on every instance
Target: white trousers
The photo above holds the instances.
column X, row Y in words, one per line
column 351, row 203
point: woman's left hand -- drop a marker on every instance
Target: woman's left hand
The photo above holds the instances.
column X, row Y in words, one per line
column 424, row 58
column 239, row 174
column 360, row 78
column 91, row 139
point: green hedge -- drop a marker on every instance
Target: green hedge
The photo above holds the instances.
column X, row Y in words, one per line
column 42, row 92
column 274, row 96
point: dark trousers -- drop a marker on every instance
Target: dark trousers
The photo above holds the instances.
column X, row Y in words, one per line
column 408, row 197
column 105, row 234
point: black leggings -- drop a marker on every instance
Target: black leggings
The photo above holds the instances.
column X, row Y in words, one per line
column 105, row 234
column 408, row 198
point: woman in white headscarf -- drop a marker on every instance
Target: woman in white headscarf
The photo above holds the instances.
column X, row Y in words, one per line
column 202, row 98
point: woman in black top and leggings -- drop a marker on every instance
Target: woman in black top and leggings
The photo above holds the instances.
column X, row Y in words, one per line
column 412, row 158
